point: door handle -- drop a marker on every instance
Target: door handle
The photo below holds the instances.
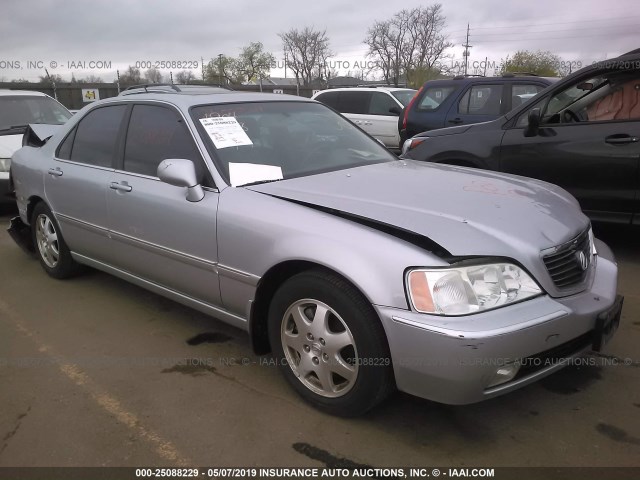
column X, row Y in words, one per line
column 456, row 120
column 55, row 172
column 620, row 139
column 120, row 187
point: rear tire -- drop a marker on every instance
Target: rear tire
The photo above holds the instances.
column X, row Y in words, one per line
column 329, row 344
column 50, row 247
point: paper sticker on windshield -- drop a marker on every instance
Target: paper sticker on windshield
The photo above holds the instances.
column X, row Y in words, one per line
column 243, row 173
column 225, row 132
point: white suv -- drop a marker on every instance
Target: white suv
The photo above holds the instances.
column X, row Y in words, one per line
column 19, row 108
column 374, row 109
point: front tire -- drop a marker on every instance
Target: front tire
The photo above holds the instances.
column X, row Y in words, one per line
column 329, row 344
column 50, row 247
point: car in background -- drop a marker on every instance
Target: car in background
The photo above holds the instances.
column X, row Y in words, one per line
column 583, row 134
column 18, row 109
column 374, row 109
column 359, row 271
column 467, row 99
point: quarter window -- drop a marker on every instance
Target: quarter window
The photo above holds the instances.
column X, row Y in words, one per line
column 434, row 96
column 96, row 137
column 155, row 134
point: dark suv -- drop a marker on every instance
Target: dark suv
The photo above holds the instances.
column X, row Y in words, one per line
column 467, row 99
column 583, row 133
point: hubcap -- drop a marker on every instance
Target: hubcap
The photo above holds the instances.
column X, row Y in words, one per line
column 47, row 240
column 319, row 348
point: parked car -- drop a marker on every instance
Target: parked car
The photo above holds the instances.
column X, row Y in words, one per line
column 466, row 99
column 360, row 272
column 582, row 134
column 374, row 109
column 18, row 108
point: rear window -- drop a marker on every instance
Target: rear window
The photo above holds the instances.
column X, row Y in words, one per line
column 434, row 96
column 404, row 96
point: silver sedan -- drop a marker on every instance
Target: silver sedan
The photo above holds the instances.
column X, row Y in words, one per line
column 359, row 272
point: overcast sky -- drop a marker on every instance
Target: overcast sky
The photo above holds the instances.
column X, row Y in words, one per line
column 123, row 32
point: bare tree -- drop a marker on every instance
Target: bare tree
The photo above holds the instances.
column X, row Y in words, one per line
column 254, row 63
column 131, row 76
column 52, row 79
column 185, row 76
column 87, row 79
column 153, row 75
column 307, row 52
column 411, row 43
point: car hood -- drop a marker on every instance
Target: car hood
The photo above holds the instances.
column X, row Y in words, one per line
column 468, row 212
column 9, row 144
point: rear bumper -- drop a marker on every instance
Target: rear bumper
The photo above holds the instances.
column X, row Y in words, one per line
column 435, row 359
column 21, row 234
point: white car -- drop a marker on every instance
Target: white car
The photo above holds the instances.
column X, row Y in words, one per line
column 374, row 109
column 18, row 109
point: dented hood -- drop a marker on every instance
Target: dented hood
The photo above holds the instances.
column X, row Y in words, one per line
column 466, row 211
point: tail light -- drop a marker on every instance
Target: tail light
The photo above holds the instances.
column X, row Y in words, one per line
column 406, row 110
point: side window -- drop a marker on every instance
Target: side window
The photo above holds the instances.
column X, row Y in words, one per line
column 433, row 97
column 96, row 136
column 522, row 92
column 64, row 150
column 481, row 100
column 381, row 103
column 155, row 134
column 329, row 98
column 354, row 102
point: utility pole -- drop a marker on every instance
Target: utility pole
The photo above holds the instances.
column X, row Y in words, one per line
column 466, row 51
column 118, row 80
column 171, row 77
column 202, row 63
column 220, row 69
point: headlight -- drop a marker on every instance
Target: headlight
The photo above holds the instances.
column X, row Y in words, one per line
column 412, row 143
column 464, row 290
column 5, row 164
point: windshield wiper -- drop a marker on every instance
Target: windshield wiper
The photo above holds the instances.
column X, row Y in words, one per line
column 13, row 127
column 260, row 182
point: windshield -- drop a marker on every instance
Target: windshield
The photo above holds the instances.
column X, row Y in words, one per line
column 21, row 110
column 404, row 96
column 267, row 141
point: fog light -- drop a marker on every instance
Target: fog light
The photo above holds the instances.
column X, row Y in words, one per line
column 504, row 373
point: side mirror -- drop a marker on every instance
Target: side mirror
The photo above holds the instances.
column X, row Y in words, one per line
column 534, row 119
column 181, row 173
column 395, row 111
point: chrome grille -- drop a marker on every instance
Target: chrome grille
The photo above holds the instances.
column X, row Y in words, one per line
column 569, row 263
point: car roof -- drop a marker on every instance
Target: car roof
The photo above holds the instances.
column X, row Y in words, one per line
column 365, row 89
column 461, row 80
column 188, row 99
column 7, row 92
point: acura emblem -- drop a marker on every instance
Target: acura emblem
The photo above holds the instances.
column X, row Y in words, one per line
column 582, row 260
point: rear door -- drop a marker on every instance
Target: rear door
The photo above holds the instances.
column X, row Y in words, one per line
column 384, row 122
column 355, row 106
column 479, row 103
column 157, row 234
column 76, row 184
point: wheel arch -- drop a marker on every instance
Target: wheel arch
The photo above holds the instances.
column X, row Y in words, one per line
column 268, row 285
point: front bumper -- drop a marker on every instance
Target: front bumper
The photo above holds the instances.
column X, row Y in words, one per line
column 6, row 195
column 454, row 360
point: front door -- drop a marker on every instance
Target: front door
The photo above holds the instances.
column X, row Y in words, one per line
column 157, row 234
